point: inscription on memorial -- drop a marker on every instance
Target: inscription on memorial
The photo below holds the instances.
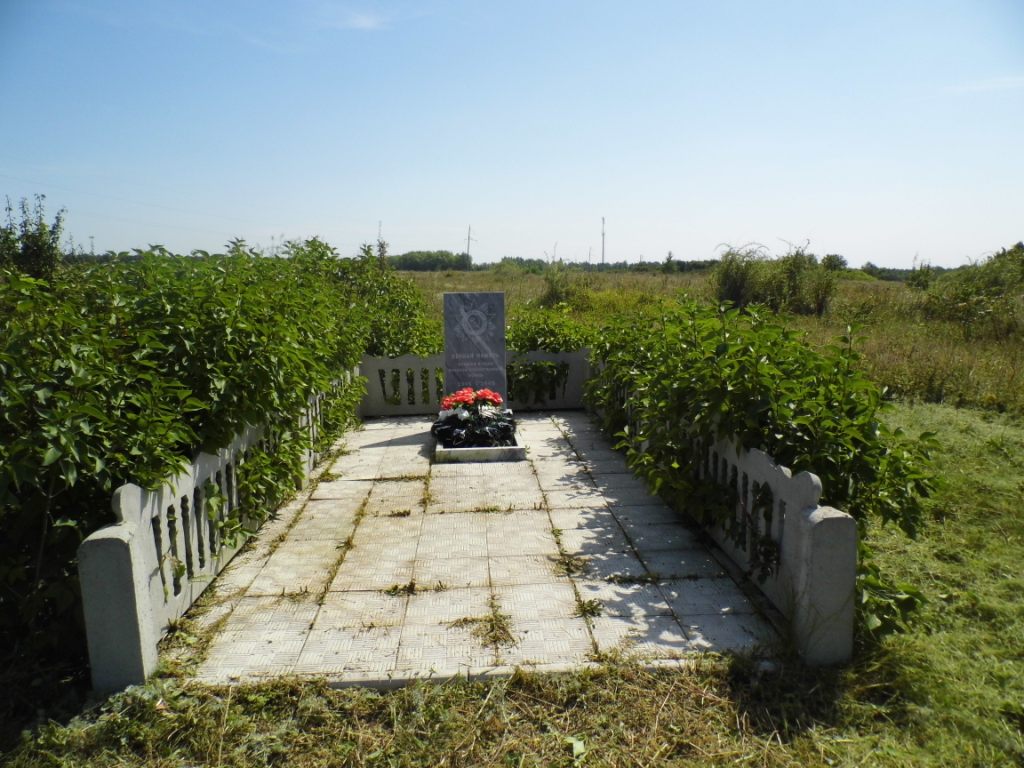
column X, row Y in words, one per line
column 474, row 341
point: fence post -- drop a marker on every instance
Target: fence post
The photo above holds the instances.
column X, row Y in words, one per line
column 823, row 610
column 116, row 603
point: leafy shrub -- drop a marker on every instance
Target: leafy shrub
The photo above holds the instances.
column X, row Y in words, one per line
column 985, row 299
column 702, row 373
column 123, row 371
column 565, row 287
column 795, row 282
column 530, row 328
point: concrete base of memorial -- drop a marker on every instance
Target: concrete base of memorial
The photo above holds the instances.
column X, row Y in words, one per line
column 444, row 455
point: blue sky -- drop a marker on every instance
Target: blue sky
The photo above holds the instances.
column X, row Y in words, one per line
column 882, row 131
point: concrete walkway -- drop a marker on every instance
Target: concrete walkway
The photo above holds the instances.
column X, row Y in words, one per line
column 394, row 569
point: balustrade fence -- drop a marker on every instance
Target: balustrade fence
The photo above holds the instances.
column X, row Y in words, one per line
column 143, row 572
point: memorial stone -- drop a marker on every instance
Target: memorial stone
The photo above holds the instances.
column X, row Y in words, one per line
column 474, row 341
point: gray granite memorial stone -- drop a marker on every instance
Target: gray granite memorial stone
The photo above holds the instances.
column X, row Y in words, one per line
column 474, row 341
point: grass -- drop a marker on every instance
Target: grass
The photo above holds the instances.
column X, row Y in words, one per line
column 494, row 628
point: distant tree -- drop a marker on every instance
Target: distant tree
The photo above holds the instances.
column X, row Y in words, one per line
column 31, row 245
column 431, row 261
column 833, row 262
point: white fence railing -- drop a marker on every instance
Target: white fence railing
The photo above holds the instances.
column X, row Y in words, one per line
column 808, row 552
column 801, row 556
column 411, row 385
column 143, row 572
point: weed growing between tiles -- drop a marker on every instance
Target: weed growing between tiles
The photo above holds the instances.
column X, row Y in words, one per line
column 412, row 588
column 343, row 550
column 588, row 609
column 493, row 629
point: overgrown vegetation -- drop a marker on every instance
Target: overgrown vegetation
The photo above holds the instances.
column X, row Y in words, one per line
column 795, row 282
column 123, row 371
column 687, row 378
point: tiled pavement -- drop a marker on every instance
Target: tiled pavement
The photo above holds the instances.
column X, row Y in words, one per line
column 393, row 568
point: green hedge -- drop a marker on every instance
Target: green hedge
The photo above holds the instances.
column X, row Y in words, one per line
column 702, row 372
column 124, row 370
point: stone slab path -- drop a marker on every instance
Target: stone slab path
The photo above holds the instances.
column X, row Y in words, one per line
column 394, row 569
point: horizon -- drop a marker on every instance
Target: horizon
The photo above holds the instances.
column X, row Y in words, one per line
column 886, row 134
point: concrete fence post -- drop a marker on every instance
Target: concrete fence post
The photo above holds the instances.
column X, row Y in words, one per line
column 824, row 604
column 118, row 613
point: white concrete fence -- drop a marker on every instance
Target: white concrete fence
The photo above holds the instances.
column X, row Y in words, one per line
column 411, row 385
column 142, row 573
column 811, row 550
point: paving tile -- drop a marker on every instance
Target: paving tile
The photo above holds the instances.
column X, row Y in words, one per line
column 441, row 649
column 473, row 499
column 447, row 606
column 618, row 483
column 455, row 546
column 627, row 496
column 615, row 566
column 682, row 563
column 641, row 636
column 624, row 599
column 534, row 602
column 595, row 541
column 322, row 528
column 701, row 597
column 598, row 516
column 339, row 508
column 249, row 655
column 730, row 632
column 604, row 461
column 548, row 641
column 570, row 498
column 240, row 572
column 520, row 533
column 465, row 523
column 360, row 610
column 395, row 496
column 296, row 567
column 522, row 569
column 345, row 489
column 515, row 471
column 366, row 552
column 385, row 531
column 455, row 572
column 381, row 574
column 255, row 614
column 400, row 465
column 342, row 651
column 669, row 536
column 652, row 513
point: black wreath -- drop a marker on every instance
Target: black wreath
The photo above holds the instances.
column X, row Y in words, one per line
column 476, row 431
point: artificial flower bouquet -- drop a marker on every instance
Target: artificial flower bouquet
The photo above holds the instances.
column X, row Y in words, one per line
column 474, row 419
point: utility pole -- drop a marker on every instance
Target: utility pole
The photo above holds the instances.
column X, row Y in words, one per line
column 602, row 241
column 469, row 237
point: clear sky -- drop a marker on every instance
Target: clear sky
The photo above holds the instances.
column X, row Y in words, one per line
column 878, row 130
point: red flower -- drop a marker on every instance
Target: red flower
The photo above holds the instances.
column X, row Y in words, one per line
column 468, row 398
